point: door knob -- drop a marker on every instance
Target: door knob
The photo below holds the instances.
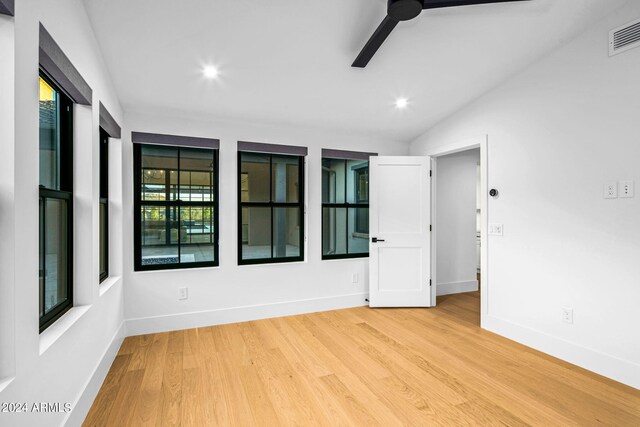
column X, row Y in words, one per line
column 376, row 240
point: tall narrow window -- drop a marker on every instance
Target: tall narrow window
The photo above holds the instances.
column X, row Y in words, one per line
column 104, row 204
column 345, row 205
column 271, row 208
column 176, row 212
column 56, row 202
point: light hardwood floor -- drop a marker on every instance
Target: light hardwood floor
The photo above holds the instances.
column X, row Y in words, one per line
column 356, row 366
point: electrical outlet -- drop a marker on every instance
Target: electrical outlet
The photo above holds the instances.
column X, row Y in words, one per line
column 183, row 293
column 495, row 229
column 627, row 189
column 611, row 190
column 567, row 315
column 354, row 278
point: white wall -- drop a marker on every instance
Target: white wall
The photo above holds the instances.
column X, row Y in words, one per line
column 455, row 222
column 58, row 365
column 557, row 132
column 230, row 292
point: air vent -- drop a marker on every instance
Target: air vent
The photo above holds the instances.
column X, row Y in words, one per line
column 624, row 38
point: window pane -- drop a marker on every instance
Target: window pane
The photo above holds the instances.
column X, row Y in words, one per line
column 55, row 275
column 256, row 233
column 157, row 163
column 196, row 234
column 103, row 238
column 160, row 234
column 284, row 179
column 358, row 181
column 104, row 164
column 333, row 171
column 255, row 176
column 196, row 175
column 334, row 236
column 41, row 257
column 49, row 136
column 286, row 232
column 358, row 230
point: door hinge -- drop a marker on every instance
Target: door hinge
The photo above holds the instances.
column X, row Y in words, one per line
column 430, row 227
column 429, row 282
column 430, row 173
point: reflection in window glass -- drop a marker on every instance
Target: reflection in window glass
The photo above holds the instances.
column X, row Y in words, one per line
column 178, row 212
column 345, row 214
column 254, row 168
column 55, row 203
column 196, row 234
column 104, row 205
column 271, row 211
column 334, row 235
column 55, row 254
column 256, row 238
column 104, row 248
column 333, row 189
column 284, row 179
column 49, row 136
column 286, row 233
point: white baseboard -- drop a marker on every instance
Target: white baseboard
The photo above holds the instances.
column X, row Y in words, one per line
column 456, row 287
column 149, row 325
column 82, row 406
column 620, row 370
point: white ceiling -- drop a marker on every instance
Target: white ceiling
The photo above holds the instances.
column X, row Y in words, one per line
column 288, row 61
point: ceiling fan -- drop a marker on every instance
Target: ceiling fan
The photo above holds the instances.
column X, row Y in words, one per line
column 404, row 10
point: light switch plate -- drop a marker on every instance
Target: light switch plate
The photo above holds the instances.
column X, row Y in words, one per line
column 627, row 189
column 495, row 229
column 611, row 190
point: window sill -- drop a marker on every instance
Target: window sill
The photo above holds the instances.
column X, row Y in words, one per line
column 60, row 327
column 108, row 284
column 347, row 258
column 267, row 264
column 4, row 382
column 170, row 269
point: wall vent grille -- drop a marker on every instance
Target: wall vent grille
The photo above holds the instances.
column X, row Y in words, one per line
column 624, row 38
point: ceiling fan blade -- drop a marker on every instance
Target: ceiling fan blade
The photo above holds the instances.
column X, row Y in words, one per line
column 374, row 43
column 435, row 4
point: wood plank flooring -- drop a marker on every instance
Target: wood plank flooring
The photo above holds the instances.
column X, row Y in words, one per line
column 357, row 367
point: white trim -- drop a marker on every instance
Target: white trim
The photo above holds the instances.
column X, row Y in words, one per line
column 90, row 391
column 481, row 142
column 4, row 382
column 60, row 327
column 609, row 366
column 107, row 284
column 174, row 322
column 457, row 287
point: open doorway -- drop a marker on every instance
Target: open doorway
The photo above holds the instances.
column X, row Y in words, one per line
column 458, row 227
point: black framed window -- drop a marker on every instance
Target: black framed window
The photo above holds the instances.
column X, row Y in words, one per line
column 56, row 202
column 104, row 205
column 176, row 207
column 345, row 208
column 271, row 208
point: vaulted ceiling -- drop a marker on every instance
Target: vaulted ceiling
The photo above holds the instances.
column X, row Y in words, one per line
column 288, row 61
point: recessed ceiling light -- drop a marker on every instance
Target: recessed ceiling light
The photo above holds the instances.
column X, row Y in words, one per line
column 210, row 72
column 402, row 103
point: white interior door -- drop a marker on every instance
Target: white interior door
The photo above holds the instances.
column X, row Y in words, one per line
column 399, row 220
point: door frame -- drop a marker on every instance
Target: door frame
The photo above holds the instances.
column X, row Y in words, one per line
column 481, row 142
